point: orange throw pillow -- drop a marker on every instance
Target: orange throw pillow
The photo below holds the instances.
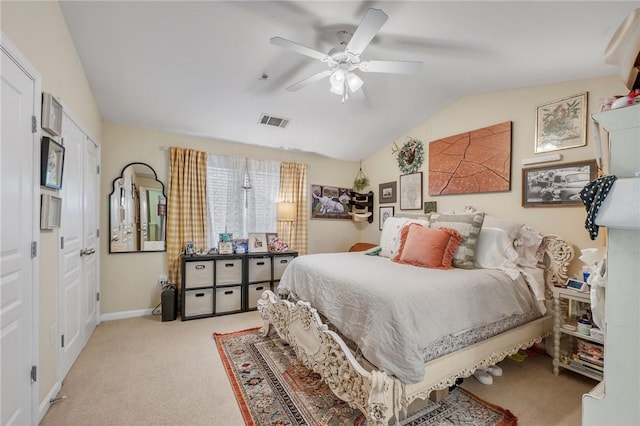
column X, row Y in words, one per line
column 427, row 247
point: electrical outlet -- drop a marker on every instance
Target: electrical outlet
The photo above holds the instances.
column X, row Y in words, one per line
column 162, row 280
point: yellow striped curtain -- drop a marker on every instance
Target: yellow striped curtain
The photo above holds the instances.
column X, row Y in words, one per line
column 293, row 189
column 186, row 206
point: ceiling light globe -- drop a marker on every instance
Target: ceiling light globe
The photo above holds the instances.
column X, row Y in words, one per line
column 337, row 89
column 354, row 82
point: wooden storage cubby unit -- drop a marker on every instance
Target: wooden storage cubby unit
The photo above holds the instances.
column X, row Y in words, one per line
column 228, row 283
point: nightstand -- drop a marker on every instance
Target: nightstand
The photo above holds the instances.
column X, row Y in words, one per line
column 584, row 353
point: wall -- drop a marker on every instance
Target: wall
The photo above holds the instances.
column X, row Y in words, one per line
column 518, row 106
column 39, row 31
column 129, row 281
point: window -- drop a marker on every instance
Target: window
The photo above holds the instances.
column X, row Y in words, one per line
column 233, row 209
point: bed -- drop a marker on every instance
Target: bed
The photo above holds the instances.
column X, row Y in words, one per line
column 383, row 333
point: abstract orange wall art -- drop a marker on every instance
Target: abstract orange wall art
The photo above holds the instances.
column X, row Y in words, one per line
column 471, row 162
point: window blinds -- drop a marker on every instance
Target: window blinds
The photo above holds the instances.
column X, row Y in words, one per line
column 232, row 209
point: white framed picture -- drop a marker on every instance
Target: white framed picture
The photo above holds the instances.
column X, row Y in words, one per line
column 258, row 242
column 50, row 211
column 51, row 114
column 411, row 191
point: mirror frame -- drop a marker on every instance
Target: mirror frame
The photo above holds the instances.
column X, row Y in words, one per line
column 113, row 188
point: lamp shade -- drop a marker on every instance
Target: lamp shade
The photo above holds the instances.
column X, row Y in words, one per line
column 286, row 212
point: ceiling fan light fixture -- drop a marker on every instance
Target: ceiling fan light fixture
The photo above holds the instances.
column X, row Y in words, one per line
column 338, row 89
column 337, row 78
column 354, row 82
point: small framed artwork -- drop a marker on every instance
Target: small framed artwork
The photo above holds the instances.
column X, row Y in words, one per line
column 271, row 236
column 385, row 213
column 225, row 247
column 51, row 163
column 189, row 248
column 561, row 124
column 51, row 114
column 557, row 185
column 387, row 192
column 50, row 211
column 225, row 243
column 240, row 246
column 411, row 191
column 258, row 242
column 225, row 237
column 430, row 206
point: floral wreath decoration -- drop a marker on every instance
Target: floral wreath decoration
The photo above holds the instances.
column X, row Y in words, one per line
column 410, row 156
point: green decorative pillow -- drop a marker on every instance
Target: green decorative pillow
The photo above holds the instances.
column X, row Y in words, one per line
column 468, row 225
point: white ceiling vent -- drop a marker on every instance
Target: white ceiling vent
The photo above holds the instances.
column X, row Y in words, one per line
column 270, row 120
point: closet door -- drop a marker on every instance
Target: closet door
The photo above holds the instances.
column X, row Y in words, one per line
column 78, row 288
column 19, row 210
column 70, row 295
column 90, row 237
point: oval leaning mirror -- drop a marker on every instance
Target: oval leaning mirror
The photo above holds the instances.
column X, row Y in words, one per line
column 137, row 211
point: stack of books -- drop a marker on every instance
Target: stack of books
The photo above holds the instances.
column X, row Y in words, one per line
column 587, row 362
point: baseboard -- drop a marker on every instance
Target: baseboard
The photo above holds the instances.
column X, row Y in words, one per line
column 125, row 314
column 46, row 402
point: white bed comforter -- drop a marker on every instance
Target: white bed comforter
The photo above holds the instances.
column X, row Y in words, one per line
column 391, row 310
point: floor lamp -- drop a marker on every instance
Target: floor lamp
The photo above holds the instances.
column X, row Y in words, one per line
column 286, row 212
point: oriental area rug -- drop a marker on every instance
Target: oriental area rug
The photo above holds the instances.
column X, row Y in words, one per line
column 273, row 388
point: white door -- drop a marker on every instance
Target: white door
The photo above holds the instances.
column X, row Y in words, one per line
column 17, row 268
column 91, row 242
column 71, row 289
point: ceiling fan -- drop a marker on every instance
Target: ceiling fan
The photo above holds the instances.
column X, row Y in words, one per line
column 344, row 59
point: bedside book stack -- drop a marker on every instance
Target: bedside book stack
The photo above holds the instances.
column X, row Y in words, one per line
column 589, row 357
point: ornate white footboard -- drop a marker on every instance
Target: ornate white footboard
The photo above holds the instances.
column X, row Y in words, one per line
column 376, row 394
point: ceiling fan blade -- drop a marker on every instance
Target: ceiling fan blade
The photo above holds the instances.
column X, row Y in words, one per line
column 309, row 80
column 304, row 50
column 394, row 67
column 366, row 31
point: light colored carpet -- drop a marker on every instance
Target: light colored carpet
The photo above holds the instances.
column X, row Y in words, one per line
column 142, row 371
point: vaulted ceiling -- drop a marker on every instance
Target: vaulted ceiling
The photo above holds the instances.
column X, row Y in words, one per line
column 208, row 68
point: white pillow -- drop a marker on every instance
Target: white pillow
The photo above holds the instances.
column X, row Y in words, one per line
column 495, row 250
column 510, row 227
column 390, row 237
column 526, row 245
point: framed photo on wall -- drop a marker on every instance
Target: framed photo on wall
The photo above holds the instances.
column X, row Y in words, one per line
column 411, row 191
column 385, row 213
column 51, row 163
column 430, row 206
column 330, row 202
column 561, row 124
column 388, row 192
column 557, row 185
column 50, row 211
column 51, row 114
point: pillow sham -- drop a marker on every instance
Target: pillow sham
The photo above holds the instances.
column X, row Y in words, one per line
column 527, row 244
column 390, row 237
column 495, row 249
column 468, row 225
column 511, row 228
column 427, row 247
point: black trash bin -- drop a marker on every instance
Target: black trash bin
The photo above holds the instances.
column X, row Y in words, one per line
column 169, row 300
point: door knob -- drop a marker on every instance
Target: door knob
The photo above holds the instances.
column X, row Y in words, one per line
column 87, row 252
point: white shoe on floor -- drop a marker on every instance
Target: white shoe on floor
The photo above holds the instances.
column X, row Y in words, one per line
column 483, row 377
column 494, row 370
